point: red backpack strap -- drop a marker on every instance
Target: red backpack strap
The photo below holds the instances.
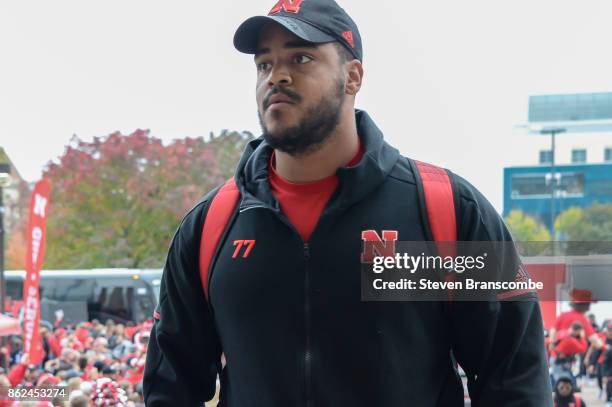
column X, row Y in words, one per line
column 218, row 216
column 578, row 401
column 439, row 201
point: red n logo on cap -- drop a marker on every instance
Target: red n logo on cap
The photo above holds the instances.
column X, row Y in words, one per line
column 348, row 36
column 289, row 6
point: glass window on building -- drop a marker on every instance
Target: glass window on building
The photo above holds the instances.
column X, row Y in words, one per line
column 529, row 185
column 545, row 156
column 539, row 185
column 571, row 184
column 608, row 154
column 579, row 155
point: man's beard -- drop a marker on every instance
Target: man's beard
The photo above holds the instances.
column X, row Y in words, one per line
column 315, row 128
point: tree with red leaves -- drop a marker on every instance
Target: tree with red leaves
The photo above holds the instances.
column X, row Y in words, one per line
column 116, row 201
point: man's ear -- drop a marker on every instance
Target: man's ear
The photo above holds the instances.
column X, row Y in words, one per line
column 354, row 77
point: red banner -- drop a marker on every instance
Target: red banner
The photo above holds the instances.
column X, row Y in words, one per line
column 37, row 225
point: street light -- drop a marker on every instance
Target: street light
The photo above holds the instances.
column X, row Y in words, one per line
column 553, row 131
column 5, row 180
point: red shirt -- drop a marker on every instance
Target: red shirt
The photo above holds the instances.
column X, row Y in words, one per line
column 54, row 345
column 16, row 374
column 565, row 321
column 571, row 346
column 303, row 203
column 81, row 334
column 130, row 331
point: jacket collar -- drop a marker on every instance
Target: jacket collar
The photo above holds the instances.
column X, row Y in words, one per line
column 354, row 183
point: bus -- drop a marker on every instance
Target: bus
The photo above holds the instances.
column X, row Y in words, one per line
column 122, row 295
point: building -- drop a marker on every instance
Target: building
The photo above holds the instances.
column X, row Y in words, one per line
column 529, row 188
column 579, row 129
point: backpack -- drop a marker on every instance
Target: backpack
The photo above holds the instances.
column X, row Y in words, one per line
column 577, row 402
column 436, row 195
column 437, row 206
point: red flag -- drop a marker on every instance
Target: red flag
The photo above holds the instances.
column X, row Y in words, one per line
column 37, row 225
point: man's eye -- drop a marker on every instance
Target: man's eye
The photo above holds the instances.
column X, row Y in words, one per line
column 263, row 66
column 302, row 59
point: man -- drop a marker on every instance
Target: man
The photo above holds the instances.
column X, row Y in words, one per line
column 569, row 346
column 593, row 321
column 580, row 303
column 573, row 343
column 564, row 394
column 604, row 362
column 286, row 311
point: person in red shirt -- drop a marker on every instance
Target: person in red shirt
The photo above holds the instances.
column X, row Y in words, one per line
column 580, row 302
column 290, row 317
column 82, row 333
column 17, row 372
column 571, row 344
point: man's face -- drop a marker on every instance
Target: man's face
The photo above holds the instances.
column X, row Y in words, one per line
column 300, row 90
column 575, row 331
column 564, row 388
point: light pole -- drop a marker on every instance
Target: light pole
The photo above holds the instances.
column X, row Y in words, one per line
column 553, row 131
column 5, row 180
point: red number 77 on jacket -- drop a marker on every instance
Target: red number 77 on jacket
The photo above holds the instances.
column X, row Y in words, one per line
column 239, row 244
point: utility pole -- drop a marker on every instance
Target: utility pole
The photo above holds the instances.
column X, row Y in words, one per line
column 553, row 179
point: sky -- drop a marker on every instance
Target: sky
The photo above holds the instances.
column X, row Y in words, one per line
column 446, row 81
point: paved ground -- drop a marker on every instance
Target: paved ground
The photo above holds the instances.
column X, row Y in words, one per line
column 590, row 395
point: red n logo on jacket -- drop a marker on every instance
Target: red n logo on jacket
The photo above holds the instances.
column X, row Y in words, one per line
column 374, row 245
column 289, row 6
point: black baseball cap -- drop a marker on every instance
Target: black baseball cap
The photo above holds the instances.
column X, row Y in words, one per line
column 316, row 21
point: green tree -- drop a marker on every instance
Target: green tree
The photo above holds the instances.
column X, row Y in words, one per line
column 588, row 230
column 600, row 217
column 525, row 228
column 568, row 222
column 116, row 201
column 531, row 236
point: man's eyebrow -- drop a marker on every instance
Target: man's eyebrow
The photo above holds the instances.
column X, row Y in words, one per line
column 289, row 45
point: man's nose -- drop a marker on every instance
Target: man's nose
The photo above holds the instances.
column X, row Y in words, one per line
column 279, row 75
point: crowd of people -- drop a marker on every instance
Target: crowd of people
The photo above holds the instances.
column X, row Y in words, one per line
column 579, row 348
column 98, row 364
column 102, row 364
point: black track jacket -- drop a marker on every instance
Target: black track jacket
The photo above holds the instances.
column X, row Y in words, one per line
column 290, row 321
